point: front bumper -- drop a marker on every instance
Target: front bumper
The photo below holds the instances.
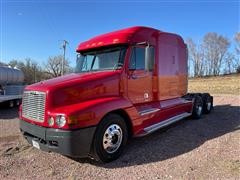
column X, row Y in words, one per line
column 73, row 143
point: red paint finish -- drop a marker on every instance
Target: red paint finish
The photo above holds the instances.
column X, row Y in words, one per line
column 126, row 36
column 85, row 98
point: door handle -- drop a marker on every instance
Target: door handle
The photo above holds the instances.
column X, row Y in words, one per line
column 134, row 77
column 137, row 77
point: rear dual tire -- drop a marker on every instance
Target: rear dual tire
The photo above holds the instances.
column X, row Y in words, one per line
column 203, row 103
column 13, row 103
column 197, row 107
column 207, row 103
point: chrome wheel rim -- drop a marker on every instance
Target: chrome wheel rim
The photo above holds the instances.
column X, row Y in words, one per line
column 17, row 103
column 11, row 104
column 199, row 110
column 209, row 104
column 112, row 138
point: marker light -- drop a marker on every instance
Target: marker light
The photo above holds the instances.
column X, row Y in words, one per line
column 51, row 121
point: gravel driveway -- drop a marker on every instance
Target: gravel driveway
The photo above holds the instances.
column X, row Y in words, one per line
column 208, row 148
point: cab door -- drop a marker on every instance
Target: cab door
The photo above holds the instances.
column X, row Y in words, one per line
column 139, row 76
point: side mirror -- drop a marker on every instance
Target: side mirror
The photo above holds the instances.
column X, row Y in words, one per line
column 79, row 63
column 132, row 61
column 147, row 57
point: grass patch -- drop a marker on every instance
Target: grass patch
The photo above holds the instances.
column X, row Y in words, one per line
column 228, row 84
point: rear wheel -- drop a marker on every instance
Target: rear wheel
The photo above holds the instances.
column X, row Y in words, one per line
column 197, row 107
column 17, row 102
column 207, row 103
column 110, row 138
column 11, row 103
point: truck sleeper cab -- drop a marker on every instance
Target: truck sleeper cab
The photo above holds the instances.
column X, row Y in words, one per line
column 130, row 82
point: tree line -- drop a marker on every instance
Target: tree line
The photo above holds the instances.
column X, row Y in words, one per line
column 34, row 72
column 212, row 56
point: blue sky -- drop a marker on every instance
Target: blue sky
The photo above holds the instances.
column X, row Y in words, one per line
column 36, row 29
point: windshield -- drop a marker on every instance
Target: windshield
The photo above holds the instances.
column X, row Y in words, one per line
column 106, row 59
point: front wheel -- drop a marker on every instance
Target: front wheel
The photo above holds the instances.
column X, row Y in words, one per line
column 110, row 138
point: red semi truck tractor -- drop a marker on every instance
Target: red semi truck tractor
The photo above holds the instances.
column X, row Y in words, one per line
column 128, row 83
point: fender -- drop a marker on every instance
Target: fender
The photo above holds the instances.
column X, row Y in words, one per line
column 90, row 113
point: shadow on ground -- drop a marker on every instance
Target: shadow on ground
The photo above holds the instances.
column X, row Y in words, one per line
column 177, row 139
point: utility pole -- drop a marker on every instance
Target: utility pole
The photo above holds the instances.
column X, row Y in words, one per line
column 64, row 52
column 34, row 72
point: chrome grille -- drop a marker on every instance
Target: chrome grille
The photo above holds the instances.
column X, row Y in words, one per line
column 33, row 105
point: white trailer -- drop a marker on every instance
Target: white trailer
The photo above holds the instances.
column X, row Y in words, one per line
column 11, row 85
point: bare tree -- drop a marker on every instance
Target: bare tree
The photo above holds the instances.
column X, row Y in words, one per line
column 32, row 71
column 229, row 63
column 54, row 66
column 237, row 41
column 215, row 47
column 237, row 48
column 196, row 55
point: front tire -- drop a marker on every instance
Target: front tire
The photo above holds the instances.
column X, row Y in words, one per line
column 110, row 138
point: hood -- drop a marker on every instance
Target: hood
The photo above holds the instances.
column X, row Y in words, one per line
column 78, row 87
column 69, row 79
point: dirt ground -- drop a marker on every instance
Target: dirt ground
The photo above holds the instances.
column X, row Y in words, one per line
column 208, row 148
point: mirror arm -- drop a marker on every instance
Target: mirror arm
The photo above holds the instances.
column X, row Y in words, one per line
column 143, row 43
column 147, row 54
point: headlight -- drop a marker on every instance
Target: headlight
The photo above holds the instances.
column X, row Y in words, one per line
column 61, row 120
column 51, row 121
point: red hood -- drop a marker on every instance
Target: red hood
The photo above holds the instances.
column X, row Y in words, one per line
column 76, row 88
column 70, row 79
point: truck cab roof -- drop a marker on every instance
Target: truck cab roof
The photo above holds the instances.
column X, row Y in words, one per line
column 126, row 36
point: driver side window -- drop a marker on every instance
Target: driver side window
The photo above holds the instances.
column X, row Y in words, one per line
column 137, row 60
